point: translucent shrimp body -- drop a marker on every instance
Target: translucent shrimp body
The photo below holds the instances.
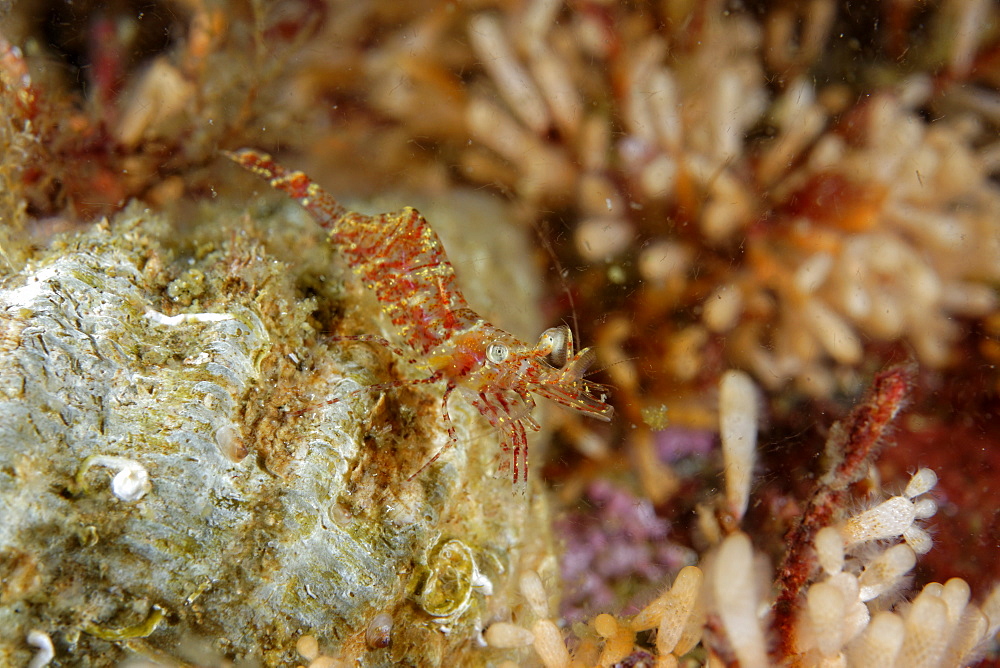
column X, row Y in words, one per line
column 402, row 260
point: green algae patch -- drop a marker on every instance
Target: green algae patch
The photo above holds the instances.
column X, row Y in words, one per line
column 141, row 630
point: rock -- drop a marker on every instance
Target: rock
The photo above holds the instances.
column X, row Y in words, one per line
column 175, row 484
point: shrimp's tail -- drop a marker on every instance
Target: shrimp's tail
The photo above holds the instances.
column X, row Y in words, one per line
column 325, row 209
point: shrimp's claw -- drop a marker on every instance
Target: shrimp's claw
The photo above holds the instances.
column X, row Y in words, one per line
column 567, row 386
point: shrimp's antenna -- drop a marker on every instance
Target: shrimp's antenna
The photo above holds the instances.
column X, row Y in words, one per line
column 541, row 229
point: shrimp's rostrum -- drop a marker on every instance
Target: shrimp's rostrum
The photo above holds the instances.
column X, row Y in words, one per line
column 400, row 257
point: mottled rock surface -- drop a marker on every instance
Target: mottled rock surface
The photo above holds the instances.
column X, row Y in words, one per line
column 200, row 359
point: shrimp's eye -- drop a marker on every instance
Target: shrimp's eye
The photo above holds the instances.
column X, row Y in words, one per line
column 496, row 352
column 555, row 344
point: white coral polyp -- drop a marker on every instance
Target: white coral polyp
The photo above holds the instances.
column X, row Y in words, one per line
column 918, row 539
column 829, row 550
column 886, row 520
column 895, row 517
column 922, row 482
column 885, row 571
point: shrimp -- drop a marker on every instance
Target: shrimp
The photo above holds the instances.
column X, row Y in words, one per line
column 400, row 258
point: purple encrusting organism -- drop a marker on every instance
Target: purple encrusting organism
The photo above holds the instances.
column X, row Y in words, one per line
column 619, row 542
column 674, row 443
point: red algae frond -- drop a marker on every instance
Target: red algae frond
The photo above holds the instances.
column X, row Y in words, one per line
column 852, row 446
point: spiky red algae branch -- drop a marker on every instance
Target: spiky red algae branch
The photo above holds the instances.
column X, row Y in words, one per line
column 851, row 446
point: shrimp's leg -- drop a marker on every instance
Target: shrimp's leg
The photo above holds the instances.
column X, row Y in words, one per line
column 514, row 444
column 516, row 447
column 509, row 419
column 380, row 340
column 378, row 387
column 452, row 436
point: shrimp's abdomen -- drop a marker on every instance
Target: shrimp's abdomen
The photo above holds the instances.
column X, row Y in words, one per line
column 397, row 255
column 401, row 259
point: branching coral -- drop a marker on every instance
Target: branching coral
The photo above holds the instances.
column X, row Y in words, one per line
column 885, row 232
column 851, row 448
